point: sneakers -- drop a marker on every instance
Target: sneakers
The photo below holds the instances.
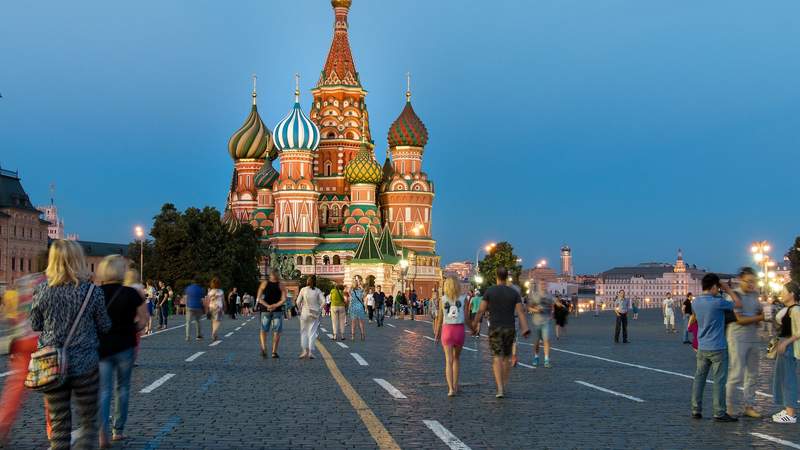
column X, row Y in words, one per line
column 697, row 416
column 783, row 417
column 535, row 363
column 725, row 418
column 547, row 363
column 752, row 413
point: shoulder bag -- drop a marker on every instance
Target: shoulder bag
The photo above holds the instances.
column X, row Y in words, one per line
column 47, row 370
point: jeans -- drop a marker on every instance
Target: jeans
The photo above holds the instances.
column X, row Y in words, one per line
column 379, row 315
column 686, row 328
column 743, row 369
column 784, row 379
column 717, row 362
column 162, row 318
column 194, row 315
column 117, row 367
column 622, row 321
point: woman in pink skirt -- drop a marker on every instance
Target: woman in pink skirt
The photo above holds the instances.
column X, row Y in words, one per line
column 449, row 326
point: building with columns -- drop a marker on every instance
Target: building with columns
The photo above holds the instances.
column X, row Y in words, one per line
column 330, row 196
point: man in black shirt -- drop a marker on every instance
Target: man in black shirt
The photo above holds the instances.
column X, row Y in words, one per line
column 687, row 313
column 380, row 305
column 502, row 303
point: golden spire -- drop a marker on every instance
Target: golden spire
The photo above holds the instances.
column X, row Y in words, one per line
column 408, row 87
column 254, row 89
column 297, row 88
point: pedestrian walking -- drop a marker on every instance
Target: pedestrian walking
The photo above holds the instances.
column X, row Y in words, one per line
column 668, row 310
column 744, row 348
column 787, row 351
column 163, row 307
column 635, row 308
column 475, row 304
column 338, row 312
column 195, row 308
column 310, row 301
column 380, row 305
column 231, row 303
column 216, row 304
column 357, row 311
column 621, row 307
column 449, row 327
column 541, row 307
column 370, row 302
column 271, row 298
column 502, row 303
column 70, row 312
column 128, row 315
column 247, row 301
column 151, row 300
column 686, row 310
column 712, row 350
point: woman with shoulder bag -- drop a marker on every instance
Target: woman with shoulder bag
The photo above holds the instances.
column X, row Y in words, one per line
column 787, row 351
column 69, row 312
column 310, row 301
column 128, row 314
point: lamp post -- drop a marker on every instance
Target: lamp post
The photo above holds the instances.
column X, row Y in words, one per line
column 487, row 248
column 140, row 236
column 767, row 276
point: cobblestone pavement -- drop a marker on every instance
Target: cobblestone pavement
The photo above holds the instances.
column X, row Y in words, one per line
column 230, row 398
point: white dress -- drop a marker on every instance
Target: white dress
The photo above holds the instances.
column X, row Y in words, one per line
column 669, row 312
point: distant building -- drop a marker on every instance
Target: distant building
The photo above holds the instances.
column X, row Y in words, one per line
column 56, row 228
column 651, row 282
column 23, row 232
column 462, row 270
column 566, row 261
column 539, row 274
column 96, row 251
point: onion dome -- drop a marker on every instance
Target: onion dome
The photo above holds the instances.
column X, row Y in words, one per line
column 408, row 129
column 229, row 221
column 253, row 139
column 388, row 169
column 296, row 131
column 265, row 176
column 341, row 3
column 363, row 168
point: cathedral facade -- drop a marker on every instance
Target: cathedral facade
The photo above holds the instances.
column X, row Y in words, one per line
column 331, row 207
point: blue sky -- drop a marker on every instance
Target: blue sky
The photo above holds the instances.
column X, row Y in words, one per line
column 626, row 129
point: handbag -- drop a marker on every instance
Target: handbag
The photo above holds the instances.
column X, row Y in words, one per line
column 47, row 370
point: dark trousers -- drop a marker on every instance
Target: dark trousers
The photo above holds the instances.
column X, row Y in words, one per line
column 162, row 318
column 81, row 392
column 371, row 311
column 622, row 320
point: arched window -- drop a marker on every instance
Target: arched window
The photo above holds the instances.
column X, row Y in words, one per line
column 331, row 135
column 350, row 135
column 299, row 260
column 336, row 260
column 326, row 260
column 323, row 214
column 327, row 168
column 309, row 261
column 335, row 211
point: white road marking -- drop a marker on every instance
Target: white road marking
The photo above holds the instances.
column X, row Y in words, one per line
column 525, row 365
column 358, row 358
column 409, row 332
column 215, row 343
column 323, row 330
column 391, row 389
column 342, row 344
column 445, row 435
column 245, row 323
column 229, row 334
column 426, row 321
column 429, row 338
column 391, row 325
column 609, row 391
column 238, row 328
column 776, row 440
column 470, row 349
column 5, row 374
column 193, row 357
column 155, row 384
column 161, row 331
column 330, row 336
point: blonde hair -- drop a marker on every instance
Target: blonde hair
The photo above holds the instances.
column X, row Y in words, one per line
column 452, row 289
column 65, row 263
column 131, row 277
column 112, row 269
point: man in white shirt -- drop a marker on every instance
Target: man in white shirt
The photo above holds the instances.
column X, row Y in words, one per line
column 669, row 314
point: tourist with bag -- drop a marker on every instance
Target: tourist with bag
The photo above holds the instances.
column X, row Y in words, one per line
column 786, row 351
column 310, row 300
column 69, row 312
column 128, row 314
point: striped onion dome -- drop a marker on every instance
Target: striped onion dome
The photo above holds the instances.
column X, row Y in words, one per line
column 265, row 176
column 296, row 131
column 408, row 129
column 252, row 140
column 363, row 168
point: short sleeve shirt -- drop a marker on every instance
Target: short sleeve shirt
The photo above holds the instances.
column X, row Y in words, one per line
column 502, row 302
column 750, row 307
column 710, row 313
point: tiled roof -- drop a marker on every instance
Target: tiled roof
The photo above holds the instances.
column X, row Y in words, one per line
column 103, row 248
column 12, row 195
column 367, row 249
column 336, row 246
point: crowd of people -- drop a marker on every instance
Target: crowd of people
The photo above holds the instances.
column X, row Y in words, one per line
column 98, row 324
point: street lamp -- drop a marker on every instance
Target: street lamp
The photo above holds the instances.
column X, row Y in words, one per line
column 478, row 279
column 760, row 251
column 487, row 248
column 139, row 231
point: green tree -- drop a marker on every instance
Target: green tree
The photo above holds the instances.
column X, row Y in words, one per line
column 794, row 260
column 324, row 284
column 501, row 255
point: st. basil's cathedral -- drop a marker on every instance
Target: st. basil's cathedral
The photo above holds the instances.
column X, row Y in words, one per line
column 332, row 207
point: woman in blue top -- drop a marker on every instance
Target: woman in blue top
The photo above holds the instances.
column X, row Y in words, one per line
column 356, row 310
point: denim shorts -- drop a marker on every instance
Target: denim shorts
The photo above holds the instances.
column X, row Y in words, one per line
column 273, row 320
column 541, row 330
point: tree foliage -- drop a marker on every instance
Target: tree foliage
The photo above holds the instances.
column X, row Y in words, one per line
column 194, row 245
column 794, row 260
column 324, row 284
column 501, row 255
